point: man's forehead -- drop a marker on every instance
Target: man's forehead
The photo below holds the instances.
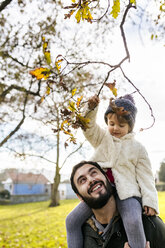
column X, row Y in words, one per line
column 83, row 170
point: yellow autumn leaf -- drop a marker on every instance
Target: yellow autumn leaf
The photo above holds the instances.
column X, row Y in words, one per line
column 48, row 90
column 83, row 120
column 79, row 99
column 57, row 64
column 78, row 15
column 114, row 91
column 152, row 37
column 133, row 1
column 42, row 99
column 73, row 92
column 85, row 12
column 63, row 123
column 73, row 1
column 45, row 45
column 47, row 57
column 89, row 15
column 40, row 73
column 68, row 133
column 71, row 106
column 115, row 8
column 72, row 139
column 63, row 129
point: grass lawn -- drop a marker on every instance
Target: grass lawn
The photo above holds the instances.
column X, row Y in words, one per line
column 34, row 225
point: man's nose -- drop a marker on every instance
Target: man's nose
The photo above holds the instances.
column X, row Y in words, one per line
column 91, row 180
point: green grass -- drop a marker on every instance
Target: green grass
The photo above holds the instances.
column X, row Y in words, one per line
column 34, row 225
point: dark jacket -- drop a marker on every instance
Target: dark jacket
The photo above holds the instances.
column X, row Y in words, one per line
column 116, row 237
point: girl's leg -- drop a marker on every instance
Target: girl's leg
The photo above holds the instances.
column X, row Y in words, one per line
column 131, row 214
column 74, row 222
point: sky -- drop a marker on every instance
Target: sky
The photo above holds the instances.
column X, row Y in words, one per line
column 146, row 70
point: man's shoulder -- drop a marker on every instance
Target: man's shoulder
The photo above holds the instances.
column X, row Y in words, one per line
column 154, row 229
column 153, row 221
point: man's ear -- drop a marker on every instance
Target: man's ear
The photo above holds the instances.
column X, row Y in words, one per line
column 79, row 197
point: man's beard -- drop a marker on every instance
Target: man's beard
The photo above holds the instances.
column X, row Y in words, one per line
column 97, row 203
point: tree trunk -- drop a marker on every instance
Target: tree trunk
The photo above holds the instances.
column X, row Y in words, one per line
column 55, row 199
column 54, row 193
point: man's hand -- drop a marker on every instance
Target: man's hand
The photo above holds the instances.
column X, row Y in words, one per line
column 126, row 245
column 149, row 211
column 93, row 102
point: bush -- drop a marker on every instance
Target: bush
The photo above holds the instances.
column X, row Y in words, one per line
column 5, row 194
column 162, row 172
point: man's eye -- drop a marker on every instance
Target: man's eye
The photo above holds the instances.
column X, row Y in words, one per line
column 82, row 180
column 94, row 172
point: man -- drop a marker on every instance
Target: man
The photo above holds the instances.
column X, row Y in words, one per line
column 105, row 228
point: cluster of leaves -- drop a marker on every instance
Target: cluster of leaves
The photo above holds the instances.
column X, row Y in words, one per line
column 49, row 73
column 158, row 20
column 73, row 118
column 72, row 115
column 83, row 11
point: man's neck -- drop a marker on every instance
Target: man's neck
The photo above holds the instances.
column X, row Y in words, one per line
column 106, row 213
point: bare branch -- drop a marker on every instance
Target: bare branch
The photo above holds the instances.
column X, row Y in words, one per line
column 72, row 154
column 20, row 123
column 19, row 88
column 6, row 54
column 17, row 127
column 152, row 115
column 4, row 4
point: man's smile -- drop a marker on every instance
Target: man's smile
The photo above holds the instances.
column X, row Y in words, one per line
column 96, row 186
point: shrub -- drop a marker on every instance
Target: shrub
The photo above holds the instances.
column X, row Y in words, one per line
column 4, row 194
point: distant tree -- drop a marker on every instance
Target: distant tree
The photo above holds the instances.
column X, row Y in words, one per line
column 162, row 171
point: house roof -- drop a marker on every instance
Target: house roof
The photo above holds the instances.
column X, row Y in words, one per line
column 18, row 177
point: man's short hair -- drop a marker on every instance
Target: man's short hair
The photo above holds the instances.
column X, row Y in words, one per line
column 79, row 165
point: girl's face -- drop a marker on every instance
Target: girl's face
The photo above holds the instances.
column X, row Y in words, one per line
column 116, row 128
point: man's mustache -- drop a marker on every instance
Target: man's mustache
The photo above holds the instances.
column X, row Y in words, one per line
column 93, row 184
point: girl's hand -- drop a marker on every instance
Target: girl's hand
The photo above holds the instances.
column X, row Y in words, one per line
column 126, row 245
column 149, row 211
column 93, row 102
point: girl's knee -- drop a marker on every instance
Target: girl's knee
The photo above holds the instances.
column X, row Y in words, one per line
column 69, row 221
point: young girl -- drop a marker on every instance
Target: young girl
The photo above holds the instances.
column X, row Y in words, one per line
column 127, row 166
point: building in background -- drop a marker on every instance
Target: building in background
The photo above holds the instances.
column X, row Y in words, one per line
column 65, row 191
column 18, row 183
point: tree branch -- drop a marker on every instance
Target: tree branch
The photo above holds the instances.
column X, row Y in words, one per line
column 152, row 115
column 20, row 123
column 17, row 127
column 72, row 154
column 4, row 4
column 19, row 88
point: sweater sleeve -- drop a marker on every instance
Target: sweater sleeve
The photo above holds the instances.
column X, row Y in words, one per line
column 146, row 180
column 94, row 133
